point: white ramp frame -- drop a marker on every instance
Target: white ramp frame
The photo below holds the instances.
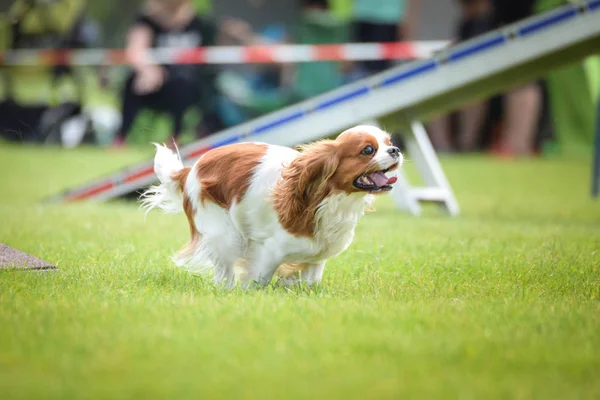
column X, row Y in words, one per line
column 437, row 189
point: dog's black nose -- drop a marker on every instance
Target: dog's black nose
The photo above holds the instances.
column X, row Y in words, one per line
column 394, row 152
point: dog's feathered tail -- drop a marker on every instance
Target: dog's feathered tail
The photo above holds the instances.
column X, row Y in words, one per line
column 166, row 196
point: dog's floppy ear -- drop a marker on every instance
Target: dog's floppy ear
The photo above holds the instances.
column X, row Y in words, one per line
column 305, row 183
column 315, row 166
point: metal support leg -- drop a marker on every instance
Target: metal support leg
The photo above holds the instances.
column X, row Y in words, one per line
column 437, row 188
column 422, row 152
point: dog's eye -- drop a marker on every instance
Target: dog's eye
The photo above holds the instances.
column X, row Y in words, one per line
column 367, row 151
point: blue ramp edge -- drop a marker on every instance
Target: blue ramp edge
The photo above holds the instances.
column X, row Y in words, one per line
column 227, row 141
column 547, row 22
column 410, row 73
column 478, row 47
column 342, row 98
column 281, row 121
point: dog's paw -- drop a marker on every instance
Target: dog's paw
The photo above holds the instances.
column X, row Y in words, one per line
column 288, row 282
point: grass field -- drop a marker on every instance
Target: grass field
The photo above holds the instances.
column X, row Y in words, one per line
column 501, row 302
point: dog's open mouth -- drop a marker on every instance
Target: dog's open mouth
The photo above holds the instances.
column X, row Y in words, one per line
column 375, row 181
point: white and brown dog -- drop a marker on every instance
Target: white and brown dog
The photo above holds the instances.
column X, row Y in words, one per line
column 272, row 209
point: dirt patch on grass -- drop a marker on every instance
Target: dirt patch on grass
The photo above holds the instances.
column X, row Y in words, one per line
column 14, row 259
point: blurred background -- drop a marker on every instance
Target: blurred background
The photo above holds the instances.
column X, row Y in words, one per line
column 129, row 105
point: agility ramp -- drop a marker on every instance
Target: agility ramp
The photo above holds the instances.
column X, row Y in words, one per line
column 401, row 97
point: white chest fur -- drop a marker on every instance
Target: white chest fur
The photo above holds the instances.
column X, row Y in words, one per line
column 335, row 222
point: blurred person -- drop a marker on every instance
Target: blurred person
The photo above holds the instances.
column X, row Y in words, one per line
column 380, row 21
column 267, row 85
column 319, row 25
column 476, row 18
column 272, row 86
column 522, row 105
column 43, row 24
column 168, row 88
column 377, row 21
column 520, row 108
column 58, row 97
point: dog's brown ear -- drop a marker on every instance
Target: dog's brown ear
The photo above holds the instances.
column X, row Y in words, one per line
column 305, row 183
column 316, row 165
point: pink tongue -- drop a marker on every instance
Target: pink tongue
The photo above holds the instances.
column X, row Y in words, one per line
column 380, row 179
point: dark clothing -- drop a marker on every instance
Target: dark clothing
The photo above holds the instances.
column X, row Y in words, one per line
column 197, row 32
column 174, row 97
column 185, row 86
column 510, row 11
column 469, row 28
column 367, row 32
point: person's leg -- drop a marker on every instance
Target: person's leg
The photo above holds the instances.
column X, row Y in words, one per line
column 522, row 110
column 215, row 109
column 176, row 96
column 470, row 124
column 439, row 133
column 130, row 107
column 522, row 106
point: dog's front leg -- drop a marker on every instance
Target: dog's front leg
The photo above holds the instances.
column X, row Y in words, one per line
column 313, row 273
column 263, row 263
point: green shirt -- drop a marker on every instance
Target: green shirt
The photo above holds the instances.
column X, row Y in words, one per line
column 379, row 11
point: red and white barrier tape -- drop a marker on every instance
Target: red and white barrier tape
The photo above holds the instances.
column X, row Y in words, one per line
column 230, row 54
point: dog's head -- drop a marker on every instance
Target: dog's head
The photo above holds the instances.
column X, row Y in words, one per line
column 365, row 155
column 357, row 161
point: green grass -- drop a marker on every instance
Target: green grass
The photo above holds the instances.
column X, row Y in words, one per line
column 500, row 302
